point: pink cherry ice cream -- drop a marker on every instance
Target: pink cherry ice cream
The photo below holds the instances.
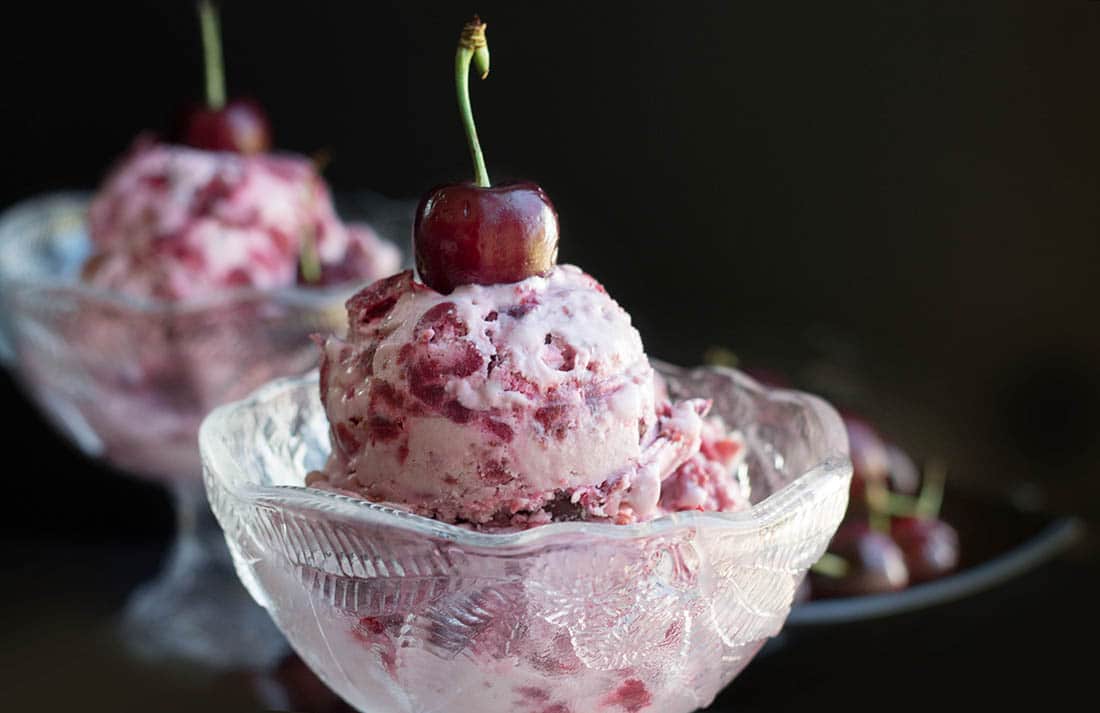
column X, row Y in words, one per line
column 176, row 233
column 175, row 223
column 514, row 405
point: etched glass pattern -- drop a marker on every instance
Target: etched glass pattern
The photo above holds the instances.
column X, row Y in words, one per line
column 399, row 613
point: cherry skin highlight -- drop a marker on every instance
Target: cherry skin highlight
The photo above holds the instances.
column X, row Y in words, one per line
column 930, row 546
column 241, row 126
column 465, row 234
column 876, row 564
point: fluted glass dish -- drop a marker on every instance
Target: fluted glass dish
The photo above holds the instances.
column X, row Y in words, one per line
column 399, row 613
column 128, row 380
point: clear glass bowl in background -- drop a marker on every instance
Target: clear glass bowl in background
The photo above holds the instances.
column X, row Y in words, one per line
column 129, row 381
column 399, row 613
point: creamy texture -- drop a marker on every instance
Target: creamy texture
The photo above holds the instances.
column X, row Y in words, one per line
column 172, row 222
column 507, row 404
column 711, row 479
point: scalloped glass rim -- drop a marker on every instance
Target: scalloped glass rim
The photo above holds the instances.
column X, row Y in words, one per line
column 217, row 461
column 13, row 225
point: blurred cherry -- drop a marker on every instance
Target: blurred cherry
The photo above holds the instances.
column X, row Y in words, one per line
column 238, row 125
column 930, row 546
column 870, row 460
column 904, row 477
column 874, row 564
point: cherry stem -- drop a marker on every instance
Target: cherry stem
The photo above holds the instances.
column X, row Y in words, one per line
column 472, row 46
column 831, row 565
column 930, row 499
column 878, row 500
column 309, row 260
column 212, row 55
column 720, row 356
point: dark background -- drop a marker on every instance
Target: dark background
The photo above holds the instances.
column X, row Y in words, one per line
column 903, row 193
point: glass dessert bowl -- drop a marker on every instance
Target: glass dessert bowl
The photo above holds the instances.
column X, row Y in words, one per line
column 197, row 271
column 129, row 379
column 398, row 612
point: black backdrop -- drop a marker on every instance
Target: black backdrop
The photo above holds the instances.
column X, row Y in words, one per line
column 909, row 187
column 916, row 180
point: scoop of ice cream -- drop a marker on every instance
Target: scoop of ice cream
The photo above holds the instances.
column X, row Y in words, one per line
column 174, row 223
column 513, row 404
column 710, row 479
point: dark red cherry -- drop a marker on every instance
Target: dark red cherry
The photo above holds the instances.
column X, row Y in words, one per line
column 875, row 563
column 930, row 546
column 870, row 460
column 905, row 477
column 240, row 126
column 468, row 235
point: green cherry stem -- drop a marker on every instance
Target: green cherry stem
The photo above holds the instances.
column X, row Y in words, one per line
column 472, row 46
column 930, row 499
column 212, row 54
column 309, row 261
column 831, row 565
column 878, row 501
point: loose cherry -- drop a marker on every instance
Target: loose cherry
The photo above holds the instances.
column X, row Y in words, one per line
column 870, row 460
column 874, row 564
column 905, row 477
column 238, row 125
column 476, row 233
column 930, row 546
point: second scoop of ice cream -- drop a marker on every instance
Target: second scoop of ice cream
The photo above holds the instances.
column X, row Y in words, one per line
column 176, row 223
column 510, row 404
